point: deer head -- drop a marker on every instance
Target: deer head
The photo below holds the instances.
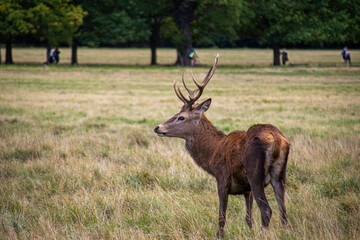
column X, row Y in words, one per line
column 184, row 123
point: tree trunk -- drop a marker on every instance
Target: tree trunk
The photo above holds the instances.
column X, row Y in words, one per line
column 0, row 55
column 153, row 55
column 188, row 44
column 74, row 48
column 154, row 40
column 276, row 50
column 48, row 49
column 8, row 54
column 183, row 16
column 185, row 48
column 179, row 61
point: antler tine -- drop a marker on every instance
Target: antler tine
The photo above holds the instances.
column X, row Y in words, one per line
column 209, row 75
column 181, row 97
column 205, row 81
column 196, row 83
column 191, row 92
column 186, row 101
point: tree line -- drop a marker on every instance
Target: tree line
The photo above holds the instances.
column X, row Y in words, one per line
column 181, row 23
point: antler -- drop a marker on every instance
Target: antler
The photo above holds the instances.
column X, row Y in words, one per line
column 192, row 97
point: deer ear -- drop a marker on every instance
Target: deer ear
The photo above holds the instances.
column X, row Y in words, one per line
column 204, row 106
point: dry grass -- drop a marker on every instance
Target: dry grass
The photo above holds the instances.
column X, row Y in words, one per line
column 235, row 57
column 79, row 159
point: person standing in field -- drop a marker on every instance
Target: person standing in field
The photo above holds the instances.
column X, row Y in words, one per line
column 346, row 56
column 284, row 56
column 192, row 55
column 51, row 57
column 54, row 55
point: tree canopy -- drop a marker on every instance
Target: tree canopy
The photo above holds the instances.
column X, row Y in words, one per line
column 56, row 21
column 110, row 22
column 180, row 23
column 286, row 22
column 51, row 21
column 14, row 22
column 155, row 14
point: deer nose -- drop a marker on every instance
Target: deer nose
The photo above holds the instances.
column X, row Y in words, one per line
column 156, row 129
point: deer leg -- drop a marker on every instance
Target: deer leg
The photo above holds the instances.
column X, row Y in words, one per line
column 254, row 161
column 249, row 202
column 223, row 200
column 279, row 191
column 260, row 198
column 278, row 184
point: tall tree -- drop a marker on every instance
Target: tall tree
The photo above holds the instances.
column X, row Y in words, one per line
column 14, row 22
column 203, row 16
column 154, row 13
column 75, row 39
column 56, row 21
column 283, row 22
column 184, row 14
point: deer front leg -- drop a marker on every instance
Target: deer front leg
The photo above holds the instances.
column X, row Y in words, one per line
column 223, row 200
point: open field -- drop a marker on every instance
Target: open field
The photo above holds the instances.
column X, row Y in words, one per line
column 79, row 159
column 234, row 57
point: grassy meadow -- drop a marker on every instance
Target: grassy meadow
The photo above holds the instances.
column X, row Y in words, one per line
column 79, row 159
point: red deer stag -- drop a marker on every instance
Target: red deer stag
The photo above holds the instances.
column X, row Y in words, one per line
column 243, row 162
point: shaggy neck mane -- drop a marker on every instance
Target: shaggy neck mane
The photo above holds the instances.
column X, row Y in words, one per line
column 203, row 143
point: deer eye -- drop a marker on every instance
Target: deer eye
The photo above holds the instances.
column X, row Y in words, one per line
column 181, row 118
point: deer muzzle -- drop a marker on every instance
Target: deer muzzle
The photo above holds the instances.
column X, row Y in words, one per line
column 157, row 131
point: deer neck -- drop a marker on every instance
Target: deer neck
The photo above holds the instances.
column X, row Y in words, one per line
column 202, row 144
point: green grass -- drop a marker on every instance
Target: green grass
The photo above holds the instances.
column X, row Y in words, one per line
column 79, row 159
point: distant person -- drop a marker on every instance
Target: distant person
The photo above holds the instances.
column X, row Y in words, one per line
column 346, row 56
column 54, row 56
column 284, row 56
column 57, row 55
column 51, row 56
column 192, row 55
column 343, row 53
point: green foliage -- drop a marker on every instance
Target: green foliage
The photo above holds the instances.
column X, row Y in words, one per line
column 172, row 32
column 218, row 20
column 348, row 10
column 112, row 22
column 14, row 19
column 56, row 21
column 290, row 22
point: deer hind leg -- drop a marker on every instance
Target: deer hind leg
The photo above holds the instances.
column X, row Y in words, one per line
column 254, row 161
column 249, row 202
column 278, row 179
column 260, row 198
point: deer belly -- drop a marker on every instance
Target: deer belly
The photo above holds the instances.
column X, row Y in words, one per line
column 239, row 185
